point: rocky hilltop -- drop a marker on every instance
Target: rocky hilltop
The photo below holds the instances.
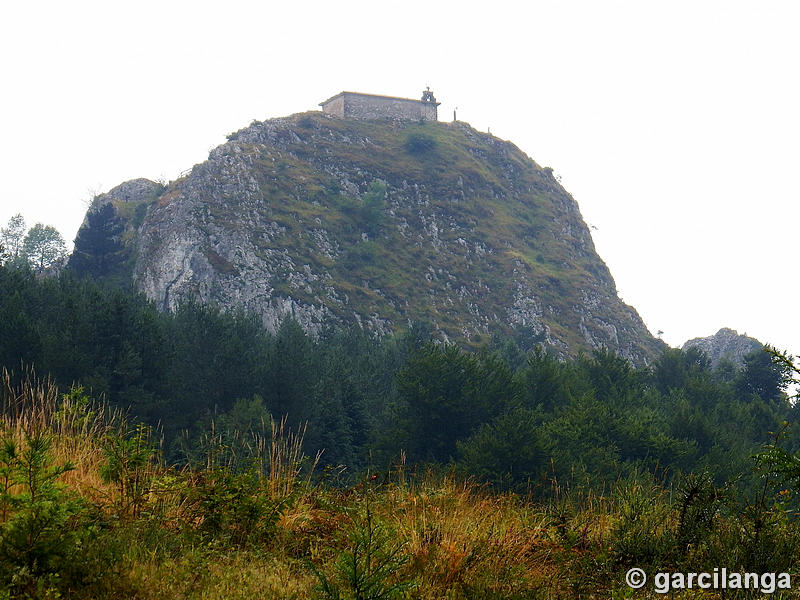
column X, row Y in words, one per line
column 379, row 223
column 726, row 344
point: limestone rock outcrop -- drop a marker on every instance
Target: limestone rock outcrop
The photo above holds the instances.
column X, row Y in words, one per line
column 381, row 224
column 726, row 344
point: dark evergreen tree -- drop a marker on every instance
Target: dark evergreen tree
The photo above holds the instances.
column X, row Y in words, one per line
column 549, row 383
column 612, row 377
column 445, row 394
column 509, row 452
column 675, row 368
column 99, row 251
column 290, row 373
column 761, row 377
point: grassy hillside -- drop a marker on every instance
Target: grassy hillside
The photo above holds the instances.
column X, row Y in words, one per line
column 87, row 511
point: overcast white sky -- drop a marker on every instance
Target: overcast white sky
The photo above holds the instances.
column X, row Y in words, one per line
column 675, row 124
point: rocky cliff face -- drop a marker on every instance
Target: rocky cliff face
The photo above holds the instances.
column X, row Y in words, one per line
column 726, row 344
column 335, row 221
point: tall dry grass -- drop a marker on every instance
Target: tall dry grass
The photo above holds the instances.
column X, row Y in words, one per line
column 460, row 536
column 30, row 405
column 272, row 448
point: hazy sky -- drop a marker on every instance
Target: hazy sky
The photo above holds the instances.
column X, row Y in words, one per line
column 674, row 125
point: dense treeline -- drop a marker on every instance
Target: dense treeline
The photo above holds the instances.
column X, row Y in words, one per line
column 516, row 419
